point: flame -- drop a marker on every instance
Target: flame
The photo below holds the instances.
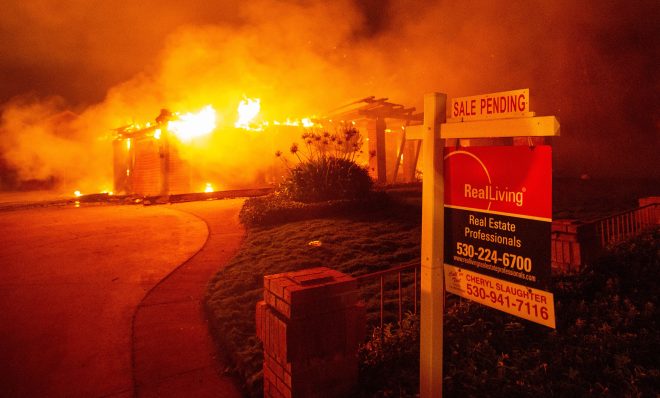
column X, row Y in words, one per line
column 307, row 122
column 192, row 125
column 77, row 194
column 209, row 187
column 248, row 109
column 304, row 122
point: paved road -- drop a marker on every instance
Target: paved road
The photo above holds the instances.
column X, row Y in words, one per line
column 70, row 281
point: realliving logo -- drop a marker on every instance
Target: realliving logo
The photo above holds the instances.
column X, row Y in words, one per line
column 495, row 194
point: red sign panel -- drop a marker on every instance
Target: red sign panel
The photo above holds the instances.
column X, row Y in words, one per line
column 512, row 179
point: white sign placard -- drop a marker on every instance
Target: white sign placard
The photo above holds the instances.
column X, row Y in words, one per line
column 505, row 104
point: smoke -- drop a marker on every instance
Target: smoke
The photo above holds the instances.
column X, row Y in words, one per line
column 592, row 64
column 46, row 142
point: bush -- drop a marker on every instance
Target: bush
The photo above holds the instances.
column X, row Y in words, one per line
column 276, row 209
column 267, row 210
column 326, row 168
column 326, row 178
column 389, row 362
column 325, row 182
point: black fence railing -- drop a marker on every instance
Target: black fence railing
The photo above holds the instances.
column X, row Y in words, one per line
column 402, row 282
column 621, row 226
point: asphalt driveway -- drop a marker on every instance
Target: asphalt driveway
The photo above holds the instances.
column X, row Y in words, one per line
column 70, row 281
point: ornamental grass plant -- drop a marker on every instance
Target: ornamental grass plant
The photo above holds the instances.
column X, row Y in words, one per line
column 326, row 167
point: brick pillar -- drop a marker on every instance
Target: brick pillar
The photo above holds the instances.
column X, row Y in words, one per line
column 310, row 323
column 574, row 245
column 566, row 254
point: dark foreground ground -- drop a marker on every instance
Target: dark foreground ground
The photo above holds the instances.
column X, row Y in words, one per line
column 71, row 278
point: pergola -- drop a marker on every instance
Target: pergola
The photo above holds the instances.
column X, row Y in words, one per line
column 375, row 113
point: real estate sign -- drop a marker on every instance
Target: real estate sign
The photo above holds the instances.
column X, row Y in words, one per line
column 498, row 218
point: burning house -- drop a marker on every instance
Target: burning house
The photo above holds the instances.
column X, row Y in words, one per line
column 147, row 159
column 187, row 153
column 163, row 157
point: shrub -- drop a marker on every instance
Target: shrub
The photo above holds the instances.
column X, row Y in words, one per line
column 389, row 361
column 276, row 209
column 328, row 178
column 267, row 210
column 327, row 168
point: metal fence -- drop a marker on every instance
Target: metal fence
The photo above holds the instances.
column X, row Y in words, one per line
column 621, row 226
column 397, row 274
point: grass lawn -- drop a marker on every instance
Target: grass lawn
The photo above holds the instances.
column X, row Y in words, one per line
column 355, row 245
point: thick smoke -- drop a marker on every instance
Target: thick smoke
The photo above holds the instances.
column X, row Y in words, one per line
column 591, row 64
column 49, row 146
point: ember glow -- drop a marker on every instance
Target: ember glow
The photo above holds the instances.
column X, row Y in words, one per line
column 192, row 125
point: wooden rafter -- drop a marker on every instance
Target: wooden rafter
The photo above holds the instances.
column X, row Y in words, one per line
column 378, row 109
column 373, row 108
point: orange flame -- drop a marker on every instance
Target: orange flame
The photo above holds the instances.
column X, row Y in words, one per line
column 192, row 125
column 248, row 110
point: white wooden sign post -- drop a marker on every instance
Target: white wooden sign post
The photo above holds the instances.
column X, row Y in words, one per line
column 432, row 292
column 504, row 114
